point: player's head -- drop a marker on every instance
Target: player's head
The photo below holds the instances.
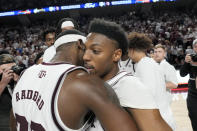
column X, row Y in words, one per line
column 49, row 36
column 70, row 46
column 66, row 24
column 159, row 53
column 105, row 45
column 138, row 44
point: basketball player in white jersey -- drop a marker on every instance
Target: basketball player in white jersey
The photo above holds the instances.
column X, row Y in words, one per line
column 58, row 95
column 49, row 38
column 168, row 70
column 150, row 74
column 105, row 45
column 125, row 64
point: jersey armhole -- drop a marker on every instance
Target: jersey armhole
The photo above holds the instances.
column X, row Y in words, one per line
column 54, row 107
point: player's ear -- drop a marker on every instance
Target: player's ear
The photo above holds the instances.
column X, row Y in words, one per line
column 117, row 55
column 80, row 45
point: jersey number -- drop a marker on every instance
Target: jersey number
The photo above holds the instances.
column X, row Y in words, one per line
column 24, row 124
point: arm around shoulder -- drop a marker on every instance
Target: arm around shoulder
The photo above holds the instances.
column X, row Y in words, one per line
column 97, row 98
column 149, row 119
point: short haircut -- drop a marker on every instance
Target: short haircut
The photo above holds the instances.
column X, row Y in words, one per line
column 139, row 41
column 47, row 31
column 112, row 31
column 59, row 30
column 160, row 46
column 6, row 58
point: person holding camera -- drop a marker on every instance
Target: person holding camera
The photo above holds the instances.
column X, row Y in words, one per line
column 8, row 77
column 190, row 67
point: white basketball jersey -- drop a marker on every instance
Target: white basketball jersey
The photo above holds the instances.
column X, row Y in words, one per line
column 35, row 97
column 131, row 93
column 126, row 65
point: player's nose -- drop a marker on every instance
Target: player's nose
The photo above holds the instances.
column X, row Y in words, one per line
column 86, row 56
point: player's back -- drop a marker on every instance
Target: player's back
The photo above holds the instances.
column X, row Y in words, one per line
column 35, row 97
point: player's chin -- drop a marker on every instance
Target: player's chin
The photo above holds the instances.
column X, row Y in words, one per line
column 91, row 71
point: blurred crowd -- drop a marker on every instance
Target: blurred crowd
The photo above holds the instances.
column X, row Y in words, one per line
column 175, row 30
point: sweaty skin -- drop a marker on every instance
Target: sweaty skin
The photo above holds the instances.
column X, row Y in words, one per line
column 89, row 93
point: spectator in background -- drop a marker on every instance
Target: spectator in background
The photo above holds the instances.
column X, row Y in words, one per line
column 6, row 87
column 49, row 38
column 190, row 67
column 64, row 24
column 189, row 50
column 168, row 70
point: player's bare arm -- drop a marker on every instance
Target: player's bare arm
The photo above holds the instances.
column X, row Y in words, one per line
column 89, row 93
column 149, row 119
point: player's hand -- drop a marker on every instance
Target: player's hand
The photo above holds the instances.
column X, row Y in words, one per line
column 188, row 58
column 7, row 76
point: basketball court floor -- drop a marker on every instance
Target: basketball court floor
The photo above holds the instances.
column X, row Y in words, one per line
column 179, row 109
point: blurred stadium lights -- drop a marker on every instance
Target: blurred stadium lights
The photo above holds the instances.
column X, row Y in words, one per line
column 77, row 6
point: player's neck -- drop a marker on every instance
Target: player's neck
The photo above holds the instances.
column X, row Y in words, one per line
column 112, row 73
column 140, row 56
column 124, row 58
column 159, row 61
column 59, row 57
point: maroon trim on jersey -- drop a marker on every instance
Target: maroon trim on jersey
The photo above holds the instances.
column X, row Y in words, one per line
column 114, row 83
column 58, row 63
column 116, row 75
column 55, row 92
column 126, row 63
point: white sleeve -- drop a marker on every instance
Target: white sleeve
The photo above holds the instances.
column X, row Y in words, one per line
column 132, row 93
column 146, row 72
column 171, row 75
column 49, row 54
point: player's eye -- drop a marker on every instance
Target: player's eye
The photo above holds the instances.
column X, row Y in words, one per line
column 96, row 51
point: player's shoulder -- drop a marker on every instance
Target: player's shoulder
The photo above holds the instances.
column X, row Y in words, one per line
column 79, row 85
column 30, row 69
column 147, row 62
column 82, row 80
column 131, row 81
column 134, row 93
column 166, row 64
